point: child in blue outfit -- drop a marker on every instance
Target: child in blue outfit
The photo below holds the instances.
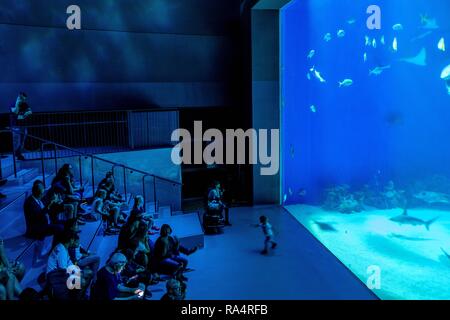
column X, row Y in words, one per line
column 268, row 233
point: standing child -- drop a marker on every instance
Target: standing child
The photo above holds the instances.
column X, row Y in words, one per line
column 268, row 233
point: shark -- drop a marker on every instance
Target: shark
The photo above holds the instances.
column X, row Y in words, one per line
column 406, row 219
column 432, row 197
column 378, row 70
column 419, row 60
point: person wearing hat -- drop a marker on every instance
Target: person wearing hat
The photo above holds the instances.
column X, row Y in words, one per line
column 109, row 284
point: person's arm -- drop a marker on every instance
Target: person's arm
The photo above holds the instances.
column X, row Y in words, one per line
column 3, row 258
column 135, row 293
column 98, row 207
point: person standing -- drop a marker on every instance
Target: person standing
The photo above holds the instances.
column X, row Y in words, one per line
column 19, row 114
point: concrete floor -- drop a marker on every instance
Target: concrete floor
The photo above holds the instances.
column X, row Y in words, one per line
column 231, row 266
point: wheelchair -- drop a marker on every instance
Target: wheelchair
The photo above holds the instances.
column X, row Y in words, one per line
column 213, row 220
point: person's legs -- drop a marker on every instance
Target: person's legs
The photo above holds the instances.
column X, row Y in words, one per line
column 227, row 215
column 180, row 260
column 169, row 266
column 2, row 293
column 92, row 262
column 266, row 245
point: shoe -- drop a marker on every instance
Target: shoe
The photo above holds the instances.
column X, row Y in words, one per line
column 264, row 252
column 156, row 228
column 81, row 210
column 193, row 250
column 3, row 182
column 274, row 245
column 81, row 222
column 2, row 196
column 20, row 157
column 151, row 233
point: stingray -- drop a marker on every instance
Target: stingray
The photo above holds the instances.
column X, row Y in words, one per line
column 324, row 226
column 419, row 60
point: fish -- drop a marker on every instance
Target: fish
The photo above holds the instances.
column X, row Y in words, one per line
column 382, row 40
column 394, row 118
column 395, row 44
column 405, row 219
column 445, row 75
column 308, row 76
column 445, row 253
column 346, row 83
column 431, row 197
column 397, row 27
column 378, row 70
column 302, row 192
column 367, row 39
column 311, row 54
column 402, row 237
column 441, row 45
column 313, row 109
column 325, row 226
column 341, row 33
column 428, row 23
column 351, row 21
column 365, row 56
column 327, row 37
column 284, row 198
column 292, row 151
column 419, row 60
column 374, row 43
column 317, row 75
column 421, row 36
column 290, row 191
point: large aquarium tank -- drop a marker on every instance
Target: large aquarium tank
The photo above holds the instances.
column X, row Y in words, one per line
column 366, row 138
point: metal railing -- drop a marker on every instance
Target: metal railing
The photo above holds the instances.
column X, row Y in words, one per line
column 104, row 131
column 50, row 158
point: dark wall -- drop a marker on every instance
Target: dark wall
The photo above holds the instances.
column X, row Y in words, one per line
column 129, row 54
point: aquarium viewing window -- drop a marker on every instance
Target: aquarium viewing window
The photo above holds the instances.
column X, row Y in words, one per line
column 365, row 138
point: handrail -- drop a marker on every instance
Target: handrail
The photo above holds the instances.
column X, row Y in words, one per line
column 93, row 156
column 154, row 191
column 13, row 201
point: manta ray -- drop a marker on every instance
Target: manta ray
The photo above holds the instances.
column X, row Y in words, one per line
column 419, row 60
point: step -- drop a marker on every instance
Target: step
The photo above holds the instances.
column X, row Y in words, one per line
column 164, row 212
column 7, row 167
column 23, row 177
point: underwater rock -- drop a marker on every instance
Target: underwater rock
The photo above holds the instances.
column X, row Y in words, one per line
column 339, row 198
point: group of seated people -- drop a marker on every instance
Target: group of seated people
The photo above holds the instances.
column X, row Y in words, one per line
column 131, row 269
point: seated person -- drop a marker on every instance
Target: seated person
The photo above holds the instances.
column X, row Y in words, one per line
column 58, row 263
column 138, row 212
column 134, row 273
column 127, row 232
column 216, row 202
column 10, row 276
column 36, row 215
column 107, row 210
column 59, row 211
column 142, row 246
column 64, row 180
column 176, row 290
column 108, row 184
column 83, row 258
column 167, row 254
column 109, row 284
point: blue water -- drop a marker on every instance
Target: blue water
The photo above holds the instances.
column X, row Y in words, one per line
column 394, row 126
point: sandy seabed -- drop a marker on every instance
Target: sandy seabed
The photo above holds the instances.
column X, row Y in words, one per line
column 411, row 258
